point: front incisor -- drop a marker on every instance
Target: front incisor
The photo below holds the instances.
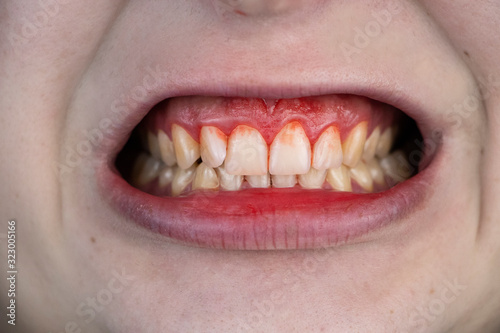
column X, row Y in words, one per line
column 327, row 152
column 247, row 152
column 290, row 152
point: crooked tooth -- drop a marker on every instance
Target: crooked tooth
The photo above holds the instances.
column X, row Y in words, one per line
column 314, row 179
column 166, row 177
column 385, row 142
column 361, row 175
column 352, row 147
column 153, row 145
column 339, row 178
column 376, row 171
column 247, row 152
column 166, row 146
column 213, row 144
column 146, row 168
column 396, row 166
column 187, row 150
column 327, row 151
column 371, row 145
column 263, row 181
column 228, row 182
column 182, row 178
column 290, row 152
column 283, row 181
column 205, row 177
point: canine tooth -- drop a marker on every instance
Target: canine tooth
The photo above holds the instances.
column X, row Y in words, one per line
column 187, row 150
column 153, row 145
column 385, row 142
column 166, row 147
column 247, row 152
column 371, row 145
column 263, row 181
column 353, row 146
column 182, row 178
column 327, row 152
column 314, row 179
column 146, row 168
column 376, row 171
column 205, row 178
column 396, row 166
column 339, row 178
column 283, row 181
column 228, row 182
column 213, row 145
column 166, row 176
column 290, row 152
column 362, row 176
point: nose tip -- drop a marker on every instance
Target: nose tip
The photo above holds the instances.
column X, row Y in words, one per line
column 264, row 7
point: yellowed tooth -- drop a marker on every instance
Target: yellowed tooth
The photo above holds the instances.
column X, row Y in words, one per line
column 187, row 150
column 290, row 152
column 385, row 142
column 327, row 152
column 228, row 182
column 361, row 175
column 213, row 145
column 166, row 176
column 247, row 152
column 371, row 145
column 146, row 169
column 182, row 178
column 314, row 179
column 153, row 146
column 396, row 166
column 376, row 171
column 339, row 178
column 354, row 144
column 283, row 181
column 263, row 181
column 166, row 146
column 205, row 178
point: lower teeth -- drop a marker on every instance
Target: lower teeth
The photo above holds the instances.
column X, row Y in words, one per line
column 367, row 176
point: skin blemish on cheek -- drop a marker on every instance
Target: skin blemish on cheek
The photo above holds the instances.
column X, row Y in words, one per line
column 92, row 239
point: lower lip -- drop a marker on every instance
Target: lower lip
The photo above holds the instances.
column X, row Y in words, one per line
column 267, row 219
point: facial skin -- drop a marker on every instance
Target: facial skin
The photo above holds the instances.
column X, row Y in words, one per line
column 61, row 73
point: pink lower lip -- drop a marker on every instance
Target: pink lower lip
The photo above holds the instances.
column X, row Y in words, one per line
column 266, row 219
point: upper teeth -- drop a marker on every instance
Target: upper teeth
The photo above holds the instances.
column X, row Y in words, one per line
column 227, row 161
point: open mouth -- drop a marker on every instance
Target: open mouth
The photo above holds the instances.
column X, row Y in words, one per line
column 253, row 173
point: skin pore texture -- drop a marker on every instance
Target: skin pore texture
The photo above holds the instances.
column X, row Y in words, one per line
column 66, row 67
